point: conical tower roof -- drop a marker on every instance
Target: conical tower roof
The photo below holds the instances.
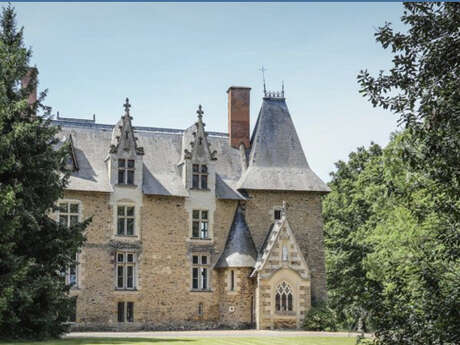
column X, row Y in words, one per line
column 276, row 159
column 239, row 250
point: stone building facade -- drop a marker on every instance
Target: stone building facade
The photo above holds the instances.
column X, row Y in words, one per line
column 194, row 229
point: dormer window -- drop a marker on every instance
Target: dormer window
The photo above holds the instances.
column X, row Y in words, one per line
column 126, row 171
column 200, row 176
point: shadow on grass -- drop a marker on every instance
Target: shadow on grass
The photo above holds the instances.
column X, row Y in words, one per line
column 96, row 341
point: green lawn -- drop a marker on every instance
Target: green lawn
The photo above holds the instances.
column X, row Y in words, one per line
column 196, row 341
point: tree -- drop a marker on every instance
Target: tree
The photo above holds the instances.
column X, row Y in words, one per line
column 422, row 88
column 34, row 249
column 391, row 250
column 346, row 213
column 416, row 243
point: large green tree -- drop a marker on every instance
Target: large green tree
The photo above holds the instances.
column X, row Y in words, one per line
column 34, row 249
column 393, row 225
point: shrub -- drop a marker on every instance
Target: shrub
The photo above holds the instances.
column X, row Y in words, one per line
column 320, row 318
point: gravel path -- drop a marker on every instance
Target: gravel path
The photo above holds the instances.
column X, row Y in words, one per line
column 201, row 334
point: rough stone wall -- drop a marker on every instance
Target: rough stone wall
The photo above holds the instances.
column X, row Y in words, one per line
column 236, row 307
column 163, row 299
column 304, row 215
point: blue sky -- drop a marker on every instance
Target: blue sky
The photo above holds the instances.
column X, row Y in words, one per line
column 170, row 57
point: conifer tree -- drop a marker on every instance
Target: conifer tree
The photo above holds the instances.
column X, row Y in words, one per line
column 34, row 249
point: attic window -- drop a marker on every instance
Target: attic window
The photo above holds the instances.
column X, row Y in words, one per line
column 200, row 176
column 277, row 214
column 126, row 171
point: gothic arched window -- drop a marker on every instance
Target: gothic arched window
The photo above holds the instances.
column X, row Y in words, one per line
column 284, row 298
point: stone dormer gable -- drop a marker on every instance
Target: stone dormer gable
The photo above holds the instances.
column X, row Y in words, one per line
column 123, row 135
column 198, row 161
column 199, row 148
column 239, row 250
column 280, row 250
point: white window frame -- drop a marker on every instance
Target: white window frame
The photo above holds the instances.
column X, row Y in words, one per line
column 200, row 220
column 68, row 214
column 125, row 216
column 203, row 270
column 125, row 264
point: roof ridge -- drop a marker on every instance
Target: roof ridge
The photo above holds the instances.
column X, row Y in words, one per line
column 68, row 122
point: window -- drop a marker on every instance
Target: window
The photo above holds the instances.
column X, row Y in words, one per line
column 125, row 216
column 284, row 298
column 125, row 311
column 232, row 280
column 126, row 171
column 200, row 272
column 200, row 309
column 200, row 224
column 69, row 214
column 284, row 253
column 71, row 274
column 126, row 270
column 277, row 214
column 200, row 176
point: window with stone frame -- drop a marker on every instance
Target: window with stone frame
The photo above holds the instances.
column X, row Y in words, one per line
column 199, row 176
column 284, row 298
column 200, row 224
column 126, row 168
column 125, row 220
column 125, row 311
column 200, row 272
column 125, row 270
column 277, row 214
column 232, row 280
column 68, row 215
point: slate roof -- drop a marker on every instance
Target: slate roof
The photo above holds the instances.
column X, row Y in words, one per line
column 239, row 250
column 163, row 149
column 276, row 158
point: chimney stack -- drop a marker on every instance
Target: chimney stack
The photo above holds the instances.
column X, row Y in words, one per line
column 25, row 83
column 238, row 116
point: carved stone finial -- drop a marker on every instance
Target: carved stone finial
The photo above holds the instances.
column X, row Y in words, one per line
column 200, row 113
column 284, row 209
column 127, row 106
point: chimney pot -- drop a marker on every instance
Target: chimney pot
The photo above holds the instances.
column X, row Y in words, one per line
column 238, row 116
column 25, row 83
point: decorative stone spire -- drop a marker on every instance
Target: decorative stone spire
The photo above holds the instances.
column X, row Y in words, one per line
column 199, row 144
column 127, row 106
column 123, row 133
column 200, row 113
column 284, row 209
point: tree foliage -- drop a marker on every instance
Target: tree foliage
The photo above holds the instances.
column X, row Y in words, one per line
column 392, row 218
column 34, row 249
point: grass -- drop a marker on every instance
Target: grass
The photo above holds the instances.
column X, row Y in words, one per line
column 304, row 340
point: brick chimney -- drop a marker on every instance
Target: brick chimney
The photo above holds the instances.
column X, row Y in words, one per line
column 238, row 116
column 25, row 83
